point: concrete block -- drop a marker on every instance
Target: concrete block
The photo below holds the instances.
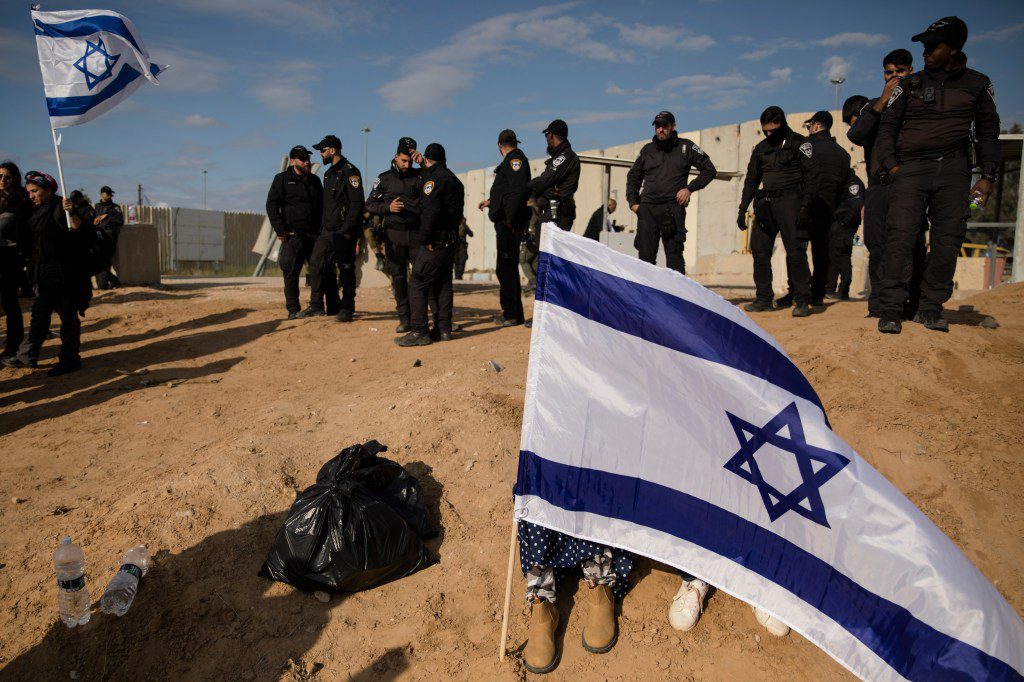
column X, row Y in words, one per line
column 137, row 261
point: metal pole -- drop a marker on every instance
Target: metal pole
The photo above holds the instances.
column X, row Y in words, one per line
column 204, row 190
column 1018, row 233
column 837, row 82
column 366, row 156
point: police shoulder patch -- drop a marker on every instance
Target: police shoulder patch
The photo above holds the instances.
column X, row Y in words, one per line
column 807, row 149
column 698, row 150
column 558, row 161
column 376, row 182
column 428, row 187
column 992, row 92
column 895, row 95
column 854, row 190
column 354, row 181
column 516, row 164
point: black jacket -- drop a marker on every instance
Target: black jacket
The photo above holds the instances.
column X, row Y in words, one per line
column 664, row 169
column 343, row 199
column 441, row 205
column 115, row 219
column 53, row 243
column 559, row 180
column 509, row 191
column 390, row 185
column 863, row 133
column 295, row 203
column 14, row 228
column 851, row 201
column 833, row 167
column 788, row 165
column 930, row 115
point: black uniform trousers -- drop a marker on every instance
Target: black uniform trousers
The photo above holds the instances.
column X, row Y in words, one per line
column 510, row 292
column 400, row 250
column 876, row 207
column 936, row 188
column 107, row 279
column 54, row 294
column 431, row 286
column 10, row 280
column 345, row 255
column 778, row 216
column 461, row 258
column 819, row 231
column 296, row 251
column 840, row 269
column 665, row 223
column 323, row 275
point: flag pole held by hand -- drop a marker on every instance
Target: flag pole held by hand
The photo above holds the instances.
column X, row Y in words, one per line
column 60, row 173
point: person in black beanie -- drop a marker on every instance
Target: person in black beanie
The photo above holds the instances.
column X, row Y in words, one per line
column 442, row 202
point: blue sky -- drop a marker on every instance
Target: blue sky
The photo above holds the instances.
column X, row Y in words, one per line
column 251, row 78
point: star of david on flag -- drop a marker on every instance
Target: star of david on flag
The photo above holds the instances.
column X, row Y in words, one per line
column 91, row 60
column 661, row 420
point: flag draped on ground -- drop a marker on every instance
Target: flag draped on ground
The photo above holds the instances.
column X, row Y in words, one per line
column 91, row 60
column 661, row 420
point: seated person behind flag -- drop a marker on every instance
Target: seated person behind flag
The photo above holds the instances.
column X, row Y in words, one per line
column 605, row 569
column 594, row 227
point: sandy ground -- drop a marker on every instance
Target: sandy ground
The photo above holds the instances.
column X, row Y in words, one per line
column 201, row 457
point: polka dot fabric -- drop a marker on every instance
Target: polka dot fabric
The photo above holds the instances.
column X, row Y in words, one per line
column 546, row 548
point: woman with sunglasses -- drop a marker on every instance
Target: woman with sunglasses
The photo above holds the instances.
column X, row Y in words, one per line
column 15, row 209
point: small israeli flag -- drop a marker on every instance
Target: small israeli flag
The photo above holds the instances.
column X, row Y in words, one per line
column 91, row 61
column 661, row 420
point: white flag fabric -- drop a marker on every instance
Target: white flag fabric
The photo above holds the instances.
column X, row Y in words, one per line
column 661, row 420
column 91, row 61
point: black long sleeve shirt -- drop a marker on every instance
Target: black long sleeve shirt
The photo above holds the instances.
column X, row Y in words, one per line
column 441, row 206
column 510, row 190
column 788, row 165
column 343, row 199
column 664, row 168
column 295, row 203
column 395, row 184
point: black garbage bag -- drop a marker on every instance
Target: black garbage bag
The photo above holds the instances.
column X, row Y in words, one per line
column 361, row 524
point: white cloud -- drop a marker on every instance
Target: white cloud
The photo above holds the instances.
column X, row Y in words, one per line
column 716, row 92
column 191, row 70
column 663, row 37
column 200, row 121
column 778, row 77
column 79, row 160
column 835, row 68
column 854, row 38
column 286, row 85
column 999, row 34
column 703, row 83
column 772, row 48
column 319, row 16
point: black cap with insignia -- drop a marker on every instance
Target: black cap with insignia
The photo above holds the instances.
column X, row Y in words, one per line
column 328, row 141
column 949, row 30
column 664, row 118
column 299, row 152
column 106, row 188
column 558, row 127
column 822, row 117
column 406, row 145
column 508, row 137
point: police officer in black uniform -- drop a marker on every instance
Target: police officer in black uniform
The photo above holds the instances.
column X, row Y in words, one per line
column 833, row 170
column 396, row 198
column 845, row 221
column 924, row 143
column 110, row 219
column 338, row 242
column 784, row 162
column 294, row 207
column 863, row 115
column 554, row 189
column 441, row 205
column 663, row 168
column 507, row 209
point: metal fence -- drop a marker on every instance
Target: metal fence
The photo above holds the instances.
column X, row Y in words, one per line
column 201, row 242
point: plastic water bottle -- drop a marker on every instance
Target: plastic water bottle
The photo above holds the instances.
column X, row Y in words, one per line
column 72, row 595
column 123, row 586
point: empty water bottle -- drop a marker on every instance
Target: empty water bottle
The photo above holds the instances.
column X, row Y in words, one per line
column 123, row 586
column 72, row 595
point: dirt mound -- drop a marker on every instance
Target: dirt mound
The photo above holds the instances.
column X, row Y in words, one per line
column 201, row 456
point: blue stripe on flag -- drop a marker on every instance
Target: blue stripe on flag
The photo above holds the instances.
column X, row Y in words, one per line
column 911, row 647
column 78, row 105
column 87, row 27
column 666, row 320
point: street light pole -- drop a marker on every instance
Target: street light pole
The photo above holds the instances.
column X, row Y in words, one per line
column 837, row 82
column 204, row 190
column 366, row 155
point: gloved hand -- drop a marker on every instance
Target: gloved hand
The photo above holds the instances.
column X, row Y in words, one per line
column 741, row 220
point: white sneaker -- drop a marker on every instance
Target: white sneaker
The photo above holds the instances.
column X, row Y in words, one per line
column 771, row 623
column 687, row 605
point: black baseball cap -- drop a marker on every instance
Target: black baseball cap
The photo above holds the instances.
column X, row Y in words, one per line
column 558, row 127
column 822, row 117
column 328, row 141
column 106, row 188
column 663, row 117
column 76, row 195
column 434, row 152
column 300, row 152
column 406, row 145
column 508, row 137
column 949, row 30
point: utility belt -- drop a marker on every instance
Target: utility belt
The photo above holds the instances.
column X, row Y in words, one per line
column 958, row 153
column 445, row 238
column 776, row 193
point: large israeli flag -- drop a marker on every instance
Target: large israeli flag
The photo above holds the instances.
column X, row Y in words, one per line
column 91, row 60
column 661, row 420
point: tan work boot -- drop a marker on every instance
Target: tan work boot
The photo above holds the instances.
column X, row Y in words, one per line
column 600, row 632
column 541, row 654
